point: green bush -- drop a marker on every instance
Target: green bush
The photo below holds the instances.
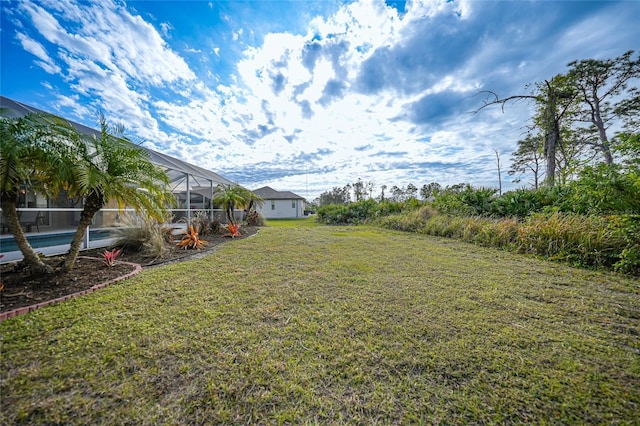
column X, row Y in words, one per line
column 628, row 228
column 602, row 189
column 411, row 221
column 469, row 201
column 332, row 214
column 523, row 202
column 359, row 212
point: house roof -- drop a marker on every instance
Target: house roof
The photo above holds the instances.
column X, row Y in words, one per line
column 16, row 108
column 269, row 193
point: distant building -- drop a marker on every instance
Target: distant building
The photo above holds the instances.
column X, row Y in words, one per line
column 280, row 204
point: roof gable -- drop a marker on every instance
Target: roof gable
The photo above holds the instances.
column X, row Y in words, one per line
column 269, row 193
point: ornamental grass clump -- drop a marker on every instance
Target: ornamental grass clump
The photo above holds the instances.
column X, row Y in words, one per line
column 579, row 239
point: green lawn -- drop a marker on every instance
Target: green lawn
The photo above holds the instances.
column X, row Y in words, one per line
column 308, row 221
column 333, row 325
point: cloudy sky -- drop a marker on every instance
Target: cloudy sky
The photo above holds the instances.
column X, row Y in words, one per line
column 304, row 96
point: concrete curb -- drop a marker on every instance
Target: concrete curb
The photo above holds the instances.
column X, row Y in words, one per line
column 26, row 309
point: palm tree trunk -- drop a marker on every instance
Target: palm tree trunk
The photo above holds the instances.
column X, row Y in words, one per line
column 91, row 207
column 31, row 259
column 230, row 215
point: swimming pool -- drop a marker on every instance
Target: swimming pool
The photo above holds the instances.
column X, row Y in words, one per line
column 52, row 243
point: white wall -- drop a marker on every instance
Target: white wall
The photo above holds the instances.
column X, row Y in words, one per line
column 282, row 209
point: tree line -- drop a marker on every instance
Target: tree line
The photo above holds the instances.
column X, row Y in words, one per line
column 580, row 118
column 360, row 191
column 585, row 127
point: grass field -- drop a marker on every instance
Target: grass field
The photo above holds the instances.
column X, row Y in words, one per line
column 334, row 325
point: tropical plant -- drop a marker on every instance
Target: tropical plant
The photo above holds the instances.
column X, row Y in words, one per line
column 191, row 239
column 230, row 197
column 465, row 200
column 109, row 256
column 112, row 168
column 361, row 211
column 234, row 230
column 38, row 151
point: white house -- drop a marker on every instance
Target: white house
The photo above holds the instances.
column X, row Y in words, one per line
column 280, row 204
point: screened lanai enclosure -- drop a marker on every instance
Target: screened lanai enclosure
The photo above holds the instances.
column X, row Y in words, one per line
column 49, row 224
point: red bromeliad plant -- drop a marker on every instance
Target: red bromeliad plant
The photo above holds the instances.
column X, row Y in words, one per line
column 234, row 230
column 191, row 240
column 109, row 257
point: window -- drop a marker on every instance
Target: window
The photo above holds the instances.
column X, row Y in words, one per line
column 293, row 204
column 273, row 205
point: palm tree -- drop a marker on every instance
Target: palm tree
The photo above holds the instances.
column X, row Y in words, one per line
column 231, row 197
column 36, row 151
column 112, row 168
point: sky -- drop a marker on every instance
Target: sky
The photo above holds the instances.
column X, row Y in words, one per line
column 305, row 96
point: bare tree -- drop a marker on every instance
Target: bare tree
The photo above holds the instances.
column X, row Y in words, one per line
column 499, row 172
column 554, row 99
column 369, row 188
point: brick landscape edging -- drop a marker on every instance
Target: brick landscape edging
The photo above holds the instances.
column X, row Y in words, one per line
column 26, row 309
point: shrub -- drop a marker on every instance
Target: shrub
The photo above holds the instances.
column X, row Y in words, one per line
column 205, row 224
column 522, row 202
column 499, row 233
column 469, row 201
column 157, row 246
column 386, row 208
column 255, row 219
column 611, row 242
column 628, row 228
column 579, row 239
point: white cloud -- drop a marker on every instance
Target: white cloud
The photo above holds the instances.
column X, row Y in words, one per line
column 36, row 49
column 166, row 27
column 365, row 92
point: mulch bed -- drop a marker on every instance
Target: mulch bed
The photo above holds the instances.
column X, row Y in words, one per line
column 22, row 290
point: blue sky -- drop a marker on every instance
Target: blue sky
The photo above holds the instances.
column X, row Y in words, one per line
column 304, row 96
